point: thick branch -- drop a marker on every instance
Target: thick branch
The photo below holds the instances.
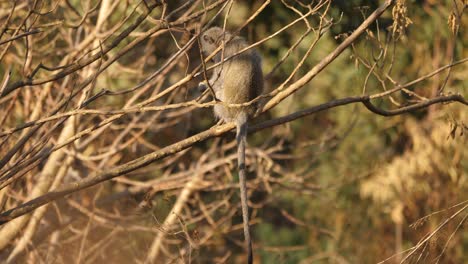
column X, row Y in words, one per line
column 99, row 177
column 423, row 104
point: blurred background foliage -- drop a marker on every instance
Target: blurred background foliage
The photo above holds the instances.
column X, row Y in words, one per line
column 377, row 175
column 364, row 183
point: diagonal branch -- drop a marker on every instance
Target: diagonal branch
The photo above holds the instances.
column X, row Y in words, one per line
column 215, row 131
column 283, row 92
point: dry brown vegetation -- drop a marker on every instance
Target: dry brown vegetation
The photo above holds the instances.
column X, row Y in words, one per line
column 108, row 151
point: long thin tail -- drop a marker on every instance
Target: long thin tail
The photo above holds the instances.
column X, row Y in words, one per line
column 241, row 140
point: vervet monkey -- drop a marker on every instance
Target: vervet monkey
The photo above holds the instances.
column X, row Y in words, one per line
column 238, row 80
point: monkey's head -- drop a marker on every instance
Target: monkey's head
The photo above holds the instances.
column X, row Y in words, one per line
column 211, row 39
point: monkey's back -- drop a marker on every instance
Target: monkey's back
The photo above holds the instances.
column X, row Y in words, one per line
column 242, row 79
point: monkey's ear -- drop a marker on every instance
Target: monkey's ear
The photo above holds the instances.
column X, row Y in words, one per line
column 208, row 39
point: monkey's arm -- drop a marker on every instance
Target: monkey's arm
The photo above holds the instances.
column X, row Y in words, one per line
column 214, row 84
